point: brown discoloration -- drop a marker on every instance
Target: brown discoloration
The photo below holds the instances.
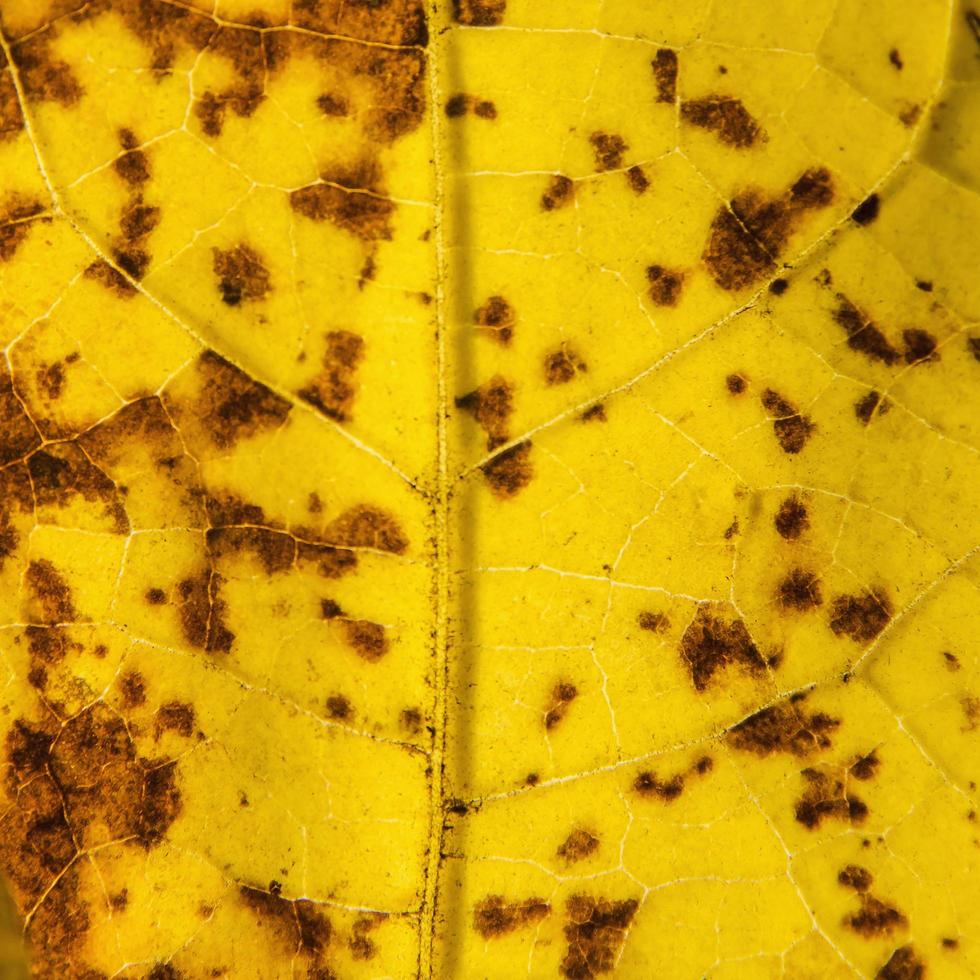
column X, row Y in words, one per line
column 133, row 689
column 970, row 705
column 11, row 121
column 637, row 179
column 351, row 198
column 411, row 720
column 175, row 716
column 649, row 784
column 594, row 413
column 870, row 405
column 866, row 767
column 364, row 526
column 578, row 845
column 339, row 708
column 792, row 428
column 973, row 346
column 50, row 380
column 736, row 384
column 875, row 918
column 563, row 694
column 491, row 405
column 950, row 943
column 333, row 104
column 241, row 274
column 496, row 319
column 867, row 210
column 368, row 640
column 595, row 932
column 49, row 598
column 861, row 617
column 494, row 916
column 202, row 612
column 778, row 286
column 903, row 964
column 609, row 150
column 460, row 104
column 920, row 346
column 479, row 13
column 561, row 366
column 863, row 335
column 799, row 590
column 509, row 471
column 856, row 877
column 748, row 236
column 133, row 166
column 664, row 67
column 724, row 116
column 18, row 434
column 110, row 277
column 895, row 59
column 275, row 550
column 665, row 285
column 711, row 644
column 43, row 76
column 784, row 727
column 18, row 215
column 792, row 518
column 359, row 943
column 824, row 798
column 558, row 193
column 330, row 609
column 653, row 622
column 16, row 499
column 332, row 390
column 299, row 924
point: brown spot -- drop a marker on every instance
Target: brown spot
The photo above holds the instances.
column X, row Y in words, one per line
column 333, row 104
column 895, row 59
column 495, row 916
column 784, row 727
column 924, row 285
column 870, row 405
column 637, row 179
column 367, row 639
column 411, row 720
column 562, row 696
column 561, row 366
column 595, row 932
column 971, row 712
column 736, row 384
column 49, row 596
column 799, row 590
column 44, row 77
column 133, row 689
column 875, row 918
column 459, row 104
column 17, row 216
column 747, row 237
column 350, row 198
column 856, row 877
column 485, row 109
column 133, row 166
column 241, row 274
column 920, row 346
column 202, row 612
column 491, row 405
column 950, row 943
column 903, row 964
column 792, row 429
column 339, row 708
column 665, row 285
column 175, row 716
column 11, row 122
column 18, row 434
column 479, row 13
column 654, row 622
column 298, row 923
column 360, row 944
column 649, row 784
column 861, row 617
column 724, row 116
column 952, row 661
column 329, row 609
column 792, row 518
column 50, row 380
column 120, row 900
column 332, row 390
column 867, row 210
column 711, row 643
column 609, row 150
column 110, row 277
column 865, row 767
column 594, row 413
column 363, row 526
column 778, row 286
column 862, row 335
column 824, row 798
column 156, row 597
column 664, row 67
column 496, row 319
column 578, row 845
column 558, row 193
column 509, row 471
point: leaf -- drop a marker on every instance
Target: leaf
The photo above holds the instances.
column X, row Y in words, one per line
column 490, row 488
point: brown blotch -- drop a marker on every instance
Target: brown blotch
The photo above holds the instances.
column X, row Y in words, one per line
column 875, row 918
column 494, row 916
column 367, row 639
column 563, row 694
column 11, row 121
column 724, row 116
column 594, row 413
column 792, row 518
column 110, row 277
column 491, row 405
column 561, row 366
column 175, row 716
column 824, row 797
column 241, row 274
column 133, row 689
column 350, row 198
column 50, row 380
column 558, row 193
column 665, row 285
column 865, row 767
column 856, row 877
column 17, row 216
column 654, row 622
column 332, row 390
column 952, row 661
column 903, row 964
column 736, row 384
column 18, row 434
column 333, row 104
column 330, row 609
column 479, row 13
column 459, row 104
column 595, row 932
column 578, row 845
column 43, row 76
column 496, row 319
column 970, row 704
column 895, row 59
column 778, row 286
column 861, row 617
column 360, row 944
column 649, row 784
column 49, row 598
column 784, row 727
column 867, row 210
column 637, row 179
column 411, row 720
column 920, row 346
column 363, row 526
column 133, row 166
column 748, row 236
column 609, row 150
column 711, row 643
column 339, row 708
column 792, row 429
column 950, row 943
column 863, row 335
column 799, row 590
column 509, row 471
column 299, row 923
column 870, row 405
column 155, row 597
column 202, row 612
column 664, row 67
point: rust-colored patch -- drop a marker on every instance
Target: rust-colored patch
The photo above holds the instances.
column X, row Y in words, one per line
column 792, row 428
column 350, row 198
column 360, row 944
column 496, row 319
column 110, row 277
column 18, row 214
column 920, row 346
column 952, row 661
column 479, row 13
column 561, row 366
column 461, row 103
column 792, row 518
column 411, row 720
column 333, row 104
column 724, row 116
column 202, row 612
column 665, row 285
column 563, row 694
column 11, row 121
column 558, row 193
column 712, row 643
column 784, row 727
column 368, row 640
column 867, row 210
column 241, row 274
column 133, row 165
column 18, row 434
column 364, row 526
column 594, row 413
column 856, row 877
column 298, row 924
column 595, row 932
column 332, row 390
column 824, row 798
column 664, row 67
column 133, row 689
column 861, row 617
column 339, row 708
column 578, row 845
column 875, row 918
column 637, row 179
column 653, row 622
column 903, row 964
column 43, row 76
column 748, row 236
column 609, row 150
column 736, row 384
column 491, row 405
column 799, row 590
column 49, row 599
column 494, row 916
column 509, row 471
column 870, row 405
column 175, row 716
column 649, row 784
column 863, row 335
column 276, row 551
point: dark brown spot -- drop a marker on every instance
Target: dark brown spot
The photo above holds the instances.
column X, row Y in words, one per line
column 363, row 526
column 920, row 346
column 711, row 643
column 509, row 471
column 563, row 694
column 175, row 716
column 329, row 609
column 952, row 661
column 360, row 944
column 609, row 150
column 411, row 720
column 778, row 286
column 50, row 380
column 241, row 274
column 792, row 518
column 561, row 366
column 339, row 708
column 352, row 199
column 792, row 429
column 895, row 58
column 736, row 384
column 649, row 784
column 479, row 13
column 43, row 76
column 664, row 67
column 865, row 767
column 110, row 277
column 595, row 932
column 156, row 597
column 870, row 405
column 875, row 918
column 495, row 916
column 665, row 285
column 496, row 319
column 903, row 964
column 862, row 335
column 784, row 727
column 367, row 639
column 594, row 413
column 637, row 179
column 333, row 104
column 133, row 166
column 824, row 797
column 578, row 845
column 332, row 390
column 799, row 590
column 491, row 405
column 202, row 610
column 856, row 877
column 867, row 210
column 558, row 193
column 950, row 943
column 724, row 116
column 654, row 622
column 18, row 215
column 133, row 689
column 485, row 109
column 49, row 598
column 457, row 105
column 298, row 924
column 861, row 617
column 11, row 122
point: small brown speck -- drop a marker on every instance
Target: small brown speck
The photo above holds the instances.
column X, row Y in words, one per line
column 558, row 193
column 736, row 384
